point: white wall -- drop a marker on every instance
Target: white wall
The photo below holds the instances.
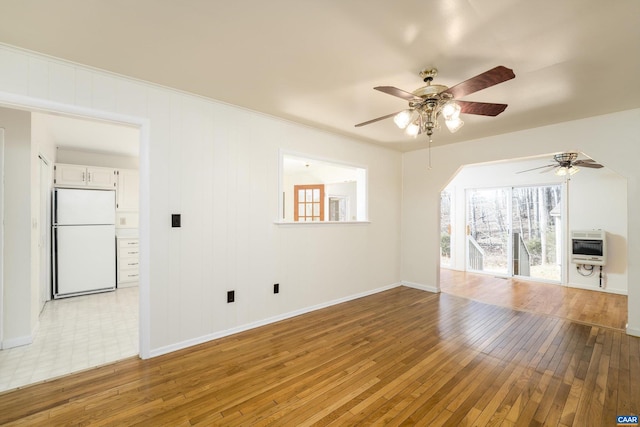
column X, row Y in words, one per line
column 17, row 311
column 217, row 165
column 613, row 140
column 597, row 198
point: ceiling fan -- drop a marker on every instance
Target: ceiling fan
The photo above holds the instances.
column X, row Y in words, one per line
column 567, row 164
column 427, row 103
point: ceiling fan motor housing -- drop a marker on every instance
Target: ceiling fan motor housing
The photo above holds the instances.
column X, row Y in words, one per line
column 565, row 159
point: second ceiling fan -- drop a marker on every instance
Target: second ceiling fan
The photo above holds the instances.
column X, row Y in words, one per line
column 566, row 164
column 428, row 103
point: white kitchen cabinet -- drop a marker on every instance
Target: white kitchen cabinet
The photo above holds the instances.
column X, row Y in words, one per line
column 84, row 176
column 128, row 259
column 127, row 190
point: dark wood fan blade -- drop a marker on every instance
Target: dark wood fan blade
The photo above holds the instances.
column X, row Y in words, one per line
column 398, row 92
column 487, row 79
column 481, row 108
column 376, row 120
column 588, row 165
column 539, row 167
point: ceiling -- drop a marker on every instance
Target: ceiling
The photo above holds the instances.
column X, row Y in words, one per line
column 74, row 133
column 316, row 62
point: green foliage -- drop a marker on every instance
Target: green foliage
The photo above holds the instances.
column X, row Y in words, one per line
column 445, row 244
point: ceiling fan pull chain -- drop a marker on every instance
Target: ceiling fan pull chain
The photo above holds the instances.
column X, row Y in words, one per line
column 430, row 152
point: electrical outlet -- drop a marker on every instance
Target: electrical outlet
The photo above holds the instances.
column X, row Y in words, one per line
column 175, row 220
column 231, row 296
column 276, row 288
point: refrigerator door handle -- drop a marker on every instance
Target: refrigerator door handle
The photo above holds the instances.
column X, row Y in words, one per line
column 55, row 260
column 55, row 207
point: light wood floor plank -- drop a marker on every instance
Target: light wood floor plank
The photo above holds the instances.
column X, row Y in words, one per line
column 400, row 357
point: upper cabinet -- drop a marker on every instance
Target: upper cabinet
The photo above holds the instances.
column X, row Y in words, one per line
column 124, row 181
column 84, row 176
column 127, row 190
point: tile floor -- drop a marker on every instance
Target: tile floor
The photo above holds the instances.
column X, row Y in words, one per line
column 75, row 334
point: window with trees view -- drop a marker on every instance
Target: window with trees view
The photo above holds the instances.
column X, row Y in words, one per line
column 515, row 231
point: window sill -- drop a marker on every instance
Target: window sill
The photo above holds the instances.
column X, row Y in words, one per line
column 320, row 223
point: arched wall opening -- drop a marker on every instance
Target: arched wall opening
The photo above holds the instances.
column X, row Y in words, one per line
column 611, row 139
column 517, row 217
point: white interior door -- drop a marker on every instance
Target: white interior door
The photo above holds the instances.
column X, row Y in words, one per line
column 44, row 240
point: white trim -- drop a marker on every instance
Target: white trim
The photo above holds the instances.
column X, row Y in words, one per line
column 2, row 344
column 37, row 104
column 312, row 223
column 17, row 342
column 216, row 335
column 597, row 289
column 427, row 288
column 282, row 152
column 632, row 331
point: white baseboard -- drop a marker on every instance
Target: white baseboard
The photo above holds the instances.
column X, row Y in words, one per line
column 209, row 337
column 17, row 342
column 427, row 288
column 633, row 331
column 597, row 288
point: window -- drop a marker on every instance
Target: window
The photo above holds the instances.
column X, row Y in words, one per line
column 445, row 228
column 314, row 190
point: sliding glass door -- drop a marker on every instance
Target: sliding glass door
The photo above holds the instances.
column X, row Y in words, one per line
column 488, row 230
column 515, row 231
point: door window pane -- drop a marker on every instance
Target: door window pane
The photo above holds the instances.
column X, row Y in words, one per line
column 537, row 222
column 488, row 230
column 309, row 202
column 445, row 229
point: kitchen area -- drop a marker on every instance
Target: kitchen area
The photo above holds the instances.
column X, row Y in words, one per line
column 83, row 272
column 92, row 206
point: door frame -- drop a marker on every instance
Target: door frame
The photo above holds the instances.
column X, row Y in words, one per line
column 1, row 238
column 45, row 289
column 26, row 103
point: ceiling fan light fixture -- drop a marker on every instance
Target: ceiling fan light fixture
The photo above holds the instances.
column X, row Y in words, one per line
column 428, row 103
column 454, row 124
column 567, row 170
column 412, row 130
column 403, row 118
column 451, row 111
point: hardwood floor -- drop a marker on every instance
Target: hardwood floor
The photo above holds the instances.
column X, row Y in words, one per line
column 580, row 305
column 400, row 357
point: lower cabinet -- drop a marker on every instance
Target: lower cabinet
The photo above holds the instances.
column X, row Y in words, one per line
column 128, row 257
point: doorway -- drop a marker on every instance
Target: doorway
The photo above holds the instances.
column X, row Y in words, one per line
column 516, row 231
column 121, row 318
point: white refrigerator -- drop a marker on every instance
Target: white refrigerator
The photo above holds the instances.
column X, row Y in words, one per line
column 84, row 249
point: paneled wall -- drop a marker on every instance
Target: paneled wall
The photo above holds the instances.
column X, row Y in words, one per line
column 217, row 165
